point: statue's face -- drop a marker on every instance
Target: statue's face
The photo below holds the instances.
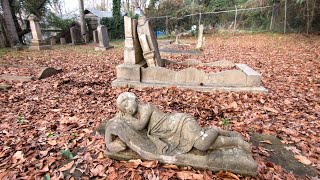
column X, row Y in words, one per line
column 130, row 106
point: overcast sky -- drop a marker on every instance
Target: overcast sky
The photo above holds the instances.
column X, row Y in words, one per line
column 71, row 5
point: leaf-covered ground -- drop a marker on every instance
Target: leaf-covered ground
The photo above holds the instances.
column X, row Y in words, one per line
column 43, row 122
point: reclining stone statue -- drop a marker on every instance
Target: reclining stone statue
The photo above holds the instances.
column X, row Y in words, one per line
column 174, row 138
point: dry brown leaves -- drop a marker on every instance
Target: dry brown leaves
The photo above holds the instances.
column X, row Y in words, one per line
column 41, row 118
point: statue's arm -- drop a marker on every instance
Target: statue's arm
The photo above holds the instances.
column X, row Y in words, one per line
column 145, row 114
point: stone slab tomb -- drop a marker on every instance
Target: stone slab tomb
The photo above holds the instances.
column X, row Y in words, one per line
column 37, row 42
column 44, row 72
column 143, row 131
column 143, row 66
column 103, row 38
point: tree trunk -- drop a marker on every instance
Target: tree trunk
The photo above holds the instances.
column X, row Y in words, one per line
column 83, row 22
column 10, row 25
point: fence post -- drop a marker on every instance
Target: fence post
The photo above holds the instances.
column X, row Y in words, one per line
column 272, row 16
column 200, row 16
column 167, row 22
column 285, row 17
column 235, row 19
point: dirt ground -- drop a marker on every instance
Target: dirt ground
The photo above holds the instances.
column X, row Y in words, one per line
column 44, row 121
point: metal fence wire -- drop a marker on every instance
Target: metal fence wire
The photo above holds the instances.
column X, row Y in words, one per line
column 262, row 19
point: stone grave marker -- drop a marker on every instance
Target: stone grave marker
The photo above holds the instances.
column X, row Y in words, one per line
column 76, row 37
column 149, row 43
column 103, row 39
column 37, row 42
column 63, row 41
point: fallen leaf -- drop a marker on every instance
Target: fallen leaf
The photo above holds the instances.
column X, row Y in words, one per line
column 100, row 155
column 270, row 109
column 150, row 164
column 66, row 166
column 52, row 142
column 170, row 166
column 133, row 163
column 266, row 141
column 99, row 170
column 303, row 159
column 17, row 156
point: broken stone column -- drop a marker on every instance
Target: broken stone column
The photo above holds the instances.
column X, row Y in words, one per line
column 200, row 37
column 132, row 47
column 95, row 36
column 133, row 58
column 103, row 38
column 37, row 42
column 149, row 43
column 76, row 36
column 63, row 41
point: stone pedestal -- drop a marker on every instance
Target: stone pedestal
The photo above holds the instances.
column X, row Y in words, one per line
column 36, row 43
column 132, row 48
column 103, row 38
column 76, row 37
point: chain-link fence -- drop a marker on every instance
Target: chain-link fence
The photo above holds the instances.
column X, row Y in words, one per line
column 262, row 19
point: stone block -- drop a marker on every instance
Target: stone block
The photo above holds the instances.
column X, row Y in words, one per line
column 129, row 72
column 191, row 76
column 253, row 77
column 39, row 48
column 222, row 63
column 157, row 75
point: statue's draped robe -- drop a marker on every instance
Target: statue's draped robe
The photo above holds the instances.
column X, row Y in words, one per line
column 171, row 134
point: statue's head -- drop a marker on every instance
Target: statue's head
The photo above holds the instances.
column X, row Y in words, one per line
column 127, row 102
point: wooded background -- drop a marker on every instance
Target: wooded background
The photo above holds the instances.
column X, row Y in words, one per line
column 167, row 16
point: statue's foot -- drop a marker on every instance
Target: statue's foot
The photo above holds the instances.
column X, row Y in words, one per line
column 116, row 146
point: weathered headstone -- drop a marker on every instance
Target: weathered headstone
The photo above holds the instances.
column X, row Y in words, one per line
column 76, row 37
column 142, row 131
column 36, row 43
column 53, row 41
column 149, row 43
column 63, row 41
column 200, row 37
column 103, row 38
column 95, row 36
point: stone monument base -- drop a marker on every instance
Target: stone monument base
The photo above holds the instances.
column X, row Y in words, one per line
column 39, row 47
column 201, row 88
column 102, row 48
column 242, row 78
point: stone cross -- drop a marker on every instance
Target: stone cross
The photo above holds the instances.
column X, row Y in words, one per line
column 76, row 37
column 200, row 37
column 103, row 38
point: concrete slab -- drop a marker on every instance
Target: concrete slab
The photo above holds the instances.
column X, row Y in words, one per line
column 16, row 78
column 140, row 85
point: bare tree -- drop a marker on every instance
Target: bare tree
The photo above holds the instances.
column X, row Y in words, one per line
column 83, row 22
column 9, row 23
